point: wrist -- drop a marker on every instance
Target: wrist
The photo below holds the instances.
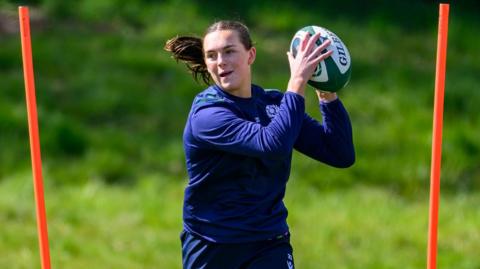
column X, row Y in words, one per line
column 326, row 97
column 296, row 85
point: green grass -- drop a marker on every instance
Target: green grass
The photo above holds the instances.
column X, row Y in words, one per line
column 94, row 225
column 365, row 227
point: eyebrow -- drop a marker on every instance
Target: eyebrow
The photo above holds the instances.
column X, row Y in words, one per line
column 224, row 48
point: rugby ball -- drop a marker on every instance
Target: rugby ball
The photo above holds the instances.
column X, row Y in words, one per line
column 333, row 73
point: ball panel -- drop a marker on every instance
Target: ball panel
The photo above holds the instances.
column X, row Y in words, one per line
column 340, row 53
column 294, row 46
column 333, row 82
column 338, row 78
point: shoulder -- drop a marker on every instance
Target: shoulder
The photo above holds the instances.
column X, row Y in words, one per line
column 212, row 107
column 209, row 97
column 269, row 95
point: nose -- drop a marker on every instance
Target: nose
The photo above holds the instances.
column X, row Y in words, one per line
column 221, row 61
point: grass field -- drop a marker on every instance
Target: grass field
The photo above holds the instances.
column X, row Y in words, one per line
column 98, row 226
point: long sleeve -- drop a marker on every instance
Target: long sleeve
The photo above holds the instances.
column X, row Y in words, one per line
column 218, row 127
column 330, row 142
column 238, row 158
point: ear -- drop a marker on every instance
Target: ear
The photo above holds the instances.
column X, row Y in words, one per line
column 252, row 53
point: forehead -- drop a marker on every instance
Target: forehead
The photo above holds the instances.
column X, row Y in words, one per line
column 220, row 39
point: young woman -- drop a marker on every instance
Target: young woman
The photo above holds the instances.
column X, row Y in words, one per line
column 238, row 143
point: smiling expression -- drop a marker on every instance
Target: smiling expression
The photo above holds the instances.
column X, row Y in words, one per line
column 228, row 62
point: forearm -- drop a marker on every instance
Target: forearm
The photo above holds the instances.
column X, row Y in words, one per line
column 338, row 131
column 330, row 142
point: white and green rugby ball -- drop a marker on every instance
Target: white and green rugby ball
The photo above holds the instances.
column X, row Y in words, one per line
column 334, row 72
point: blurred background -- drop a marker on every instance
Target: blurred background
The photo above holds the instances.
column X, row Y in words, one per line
column 112, row 105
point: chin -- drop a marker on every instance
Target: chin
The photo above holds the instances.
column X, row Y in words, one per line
column 228, row 86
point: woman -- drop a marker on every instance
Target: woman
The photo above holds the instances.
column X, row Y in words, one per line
column 238, row 143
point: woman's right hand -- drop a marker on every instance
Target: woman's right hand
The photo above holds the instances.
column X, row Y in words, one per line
column 304, row 63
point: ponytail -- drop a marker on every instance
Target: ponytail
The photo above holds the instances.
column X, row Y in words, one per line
column 189, row 50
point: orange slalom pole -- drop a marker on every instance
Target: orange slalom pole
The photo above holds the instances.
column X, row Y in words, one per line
column 437, row 135
column 34, row 136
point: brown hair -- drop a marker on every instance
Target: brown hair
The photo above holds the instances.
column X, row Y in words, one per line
column 189, row 49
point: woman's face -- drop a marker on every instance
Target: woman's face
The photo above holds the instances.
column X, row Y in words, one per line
column 228, row 62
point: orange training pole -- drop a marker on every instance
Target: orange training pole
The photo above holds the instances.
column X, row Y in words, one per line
column 34, row 136
column 437, row 135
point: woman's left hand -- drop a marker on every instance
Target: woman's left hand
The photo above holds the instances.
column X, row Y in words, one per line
column 326, row 97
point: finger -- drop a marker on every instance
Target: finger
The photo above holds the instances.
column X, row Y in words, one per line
column 322, row 56
column 325, row 44
column 305, row 39
column 290, row 56
column 311, row 43
column 318, row 50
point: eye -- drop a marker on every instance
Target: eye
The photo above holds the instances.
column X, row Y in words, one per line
column 211, row 56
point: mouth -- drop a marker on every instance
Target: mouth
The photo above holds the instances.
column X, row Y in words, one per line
column 224, row 74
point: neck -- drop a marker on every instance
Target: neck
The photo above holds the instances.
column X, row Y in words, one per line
column 244, row 92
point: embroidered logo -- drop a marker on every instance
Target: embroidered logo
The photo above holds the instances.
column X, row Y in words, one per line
column 271, row 110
